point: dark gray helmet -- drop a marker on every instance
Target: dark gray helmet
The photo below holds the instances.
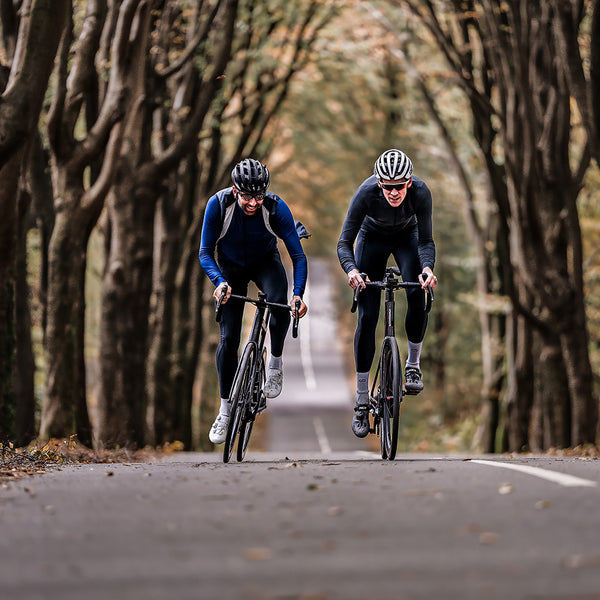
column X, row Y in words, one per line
column 250, row 176
column 392, row 165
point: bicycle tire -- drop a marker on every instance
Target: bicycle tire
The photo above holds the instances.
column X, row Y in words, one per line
column 247, row 424
column 241, row 391
column 389, row 397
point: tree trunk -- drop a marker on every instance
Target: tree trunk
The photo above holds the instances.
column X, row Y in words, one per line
column 168, row 368
column 550, row 383
column 126, row 289
column 520, row 391
column 42, row 205
column 42, row 22
column 65, row 409
column 9, row 176
column 160, row 357
column 189, row 336
column 25, row 364
column 584, row 408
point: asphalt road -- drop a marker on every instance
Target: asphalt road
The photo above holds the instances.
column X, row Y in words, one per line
column 316, row 517
column 314, row 411
column 336, row 527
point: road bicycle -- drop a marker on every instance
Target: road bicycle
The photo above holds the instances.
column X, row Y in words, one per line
column 387, row 390
column 247, row 397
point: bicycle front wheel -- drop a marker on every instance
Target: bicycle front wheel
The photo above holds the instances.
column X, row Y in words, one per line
column 389, row 397
column 256, row 396
column 240, row 396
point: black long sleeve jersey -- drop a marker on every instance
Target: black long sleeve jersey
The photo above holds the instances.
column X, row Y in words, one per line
column 370, row 212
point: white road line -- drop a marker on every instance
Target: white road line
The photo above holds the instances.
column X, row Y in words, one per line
column 560, row 478
column 321, row 436
column 366, row 454
column 305, row 349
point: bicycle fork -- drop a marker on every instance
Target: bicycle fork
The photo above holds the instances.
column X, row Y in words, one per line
column 258, row 336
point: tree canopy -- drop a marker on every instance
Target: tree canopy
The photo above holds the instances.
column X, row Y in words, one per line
column 109, row 159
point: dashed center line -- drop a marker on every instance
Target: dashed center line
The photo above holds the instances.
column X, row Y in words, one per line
column 560, row 478
column 321, row 436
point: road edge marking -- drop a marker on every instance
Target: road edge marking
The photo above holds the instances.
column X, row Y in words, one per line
column 553, row 476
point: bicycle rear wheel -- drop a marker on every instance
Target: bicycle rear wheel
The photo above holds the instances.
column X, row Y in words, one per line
column 252, row 409
column 241, row 394
column 389, row 397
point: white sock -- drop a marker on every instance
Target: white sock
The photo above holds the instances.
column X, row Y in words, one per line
column 225, row 407
column 414, row 355
column 276, row 362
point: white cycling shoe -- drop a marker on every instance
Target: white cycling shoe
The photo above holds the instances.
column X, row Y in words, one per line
column 274, row 383
column 218, row 431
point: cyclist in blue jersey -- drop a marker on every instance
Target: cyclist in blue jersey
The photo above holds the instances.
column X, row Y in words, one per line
column 390, row 214
column 242, row 224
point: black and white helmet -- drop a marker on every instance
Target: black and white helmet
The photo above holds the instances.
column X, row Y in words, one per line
column 250, row 176
column 392, row 165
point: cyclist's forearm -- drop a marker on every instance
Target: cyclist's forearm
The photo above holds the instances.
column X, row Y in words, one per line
column 345, row 253
column 300, row 274
column 426, row 253
column 211, row 268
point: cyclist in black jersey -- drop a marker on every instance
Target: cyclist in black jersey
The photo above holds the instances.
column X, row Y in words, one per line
column 390, row 214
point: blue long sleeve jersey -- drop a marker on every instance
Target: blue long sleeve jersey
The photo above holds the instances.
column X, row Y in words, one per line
column 371, row 212
column 243, row 240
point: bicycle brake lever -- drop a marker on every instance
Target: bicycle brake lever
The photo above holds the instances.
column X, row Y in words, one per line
column 219, row 306
column 355, row 299
column 429, row 292
column 296, row 319
column 357, row 291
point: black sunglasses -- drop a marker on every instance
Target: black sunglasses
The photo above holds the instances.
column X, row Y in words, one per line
column 394, row 186
column 249, row 197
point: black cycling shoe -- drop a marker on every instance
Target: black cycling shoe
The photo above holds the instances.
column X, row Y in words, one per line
column 413, row 380
column 360, row 422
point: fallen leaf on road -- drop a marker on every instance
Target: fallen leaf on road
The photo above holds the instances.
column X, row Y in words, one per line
column 541, row 504
column 470, row 529
column 578, row 561
column 256, row 554
column 488, row 538
column 334, row 511
column 506, row 488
